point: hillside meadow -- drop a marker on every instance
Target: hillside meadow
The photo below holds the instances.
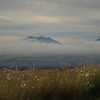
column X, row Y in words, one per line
column 65, row 83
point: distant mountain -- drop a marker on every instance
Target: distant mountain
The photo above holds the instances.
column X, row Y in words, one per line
column 97, row 39
column 41, row 39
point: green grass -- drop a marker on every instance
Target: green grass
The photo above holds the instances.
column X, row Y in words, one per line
column 78, row 83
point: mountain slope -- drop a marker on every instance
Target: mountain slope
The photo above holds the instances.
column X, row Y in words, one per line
column 97, row 39
column 41, row 39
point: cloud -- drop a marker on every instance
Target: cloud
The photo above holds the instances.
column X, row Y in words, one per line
column 34, row 19
column 44, row 19
column 54, row 18
column 5, row 17
column 8, row 38
column 70, row 40
column 25, row 48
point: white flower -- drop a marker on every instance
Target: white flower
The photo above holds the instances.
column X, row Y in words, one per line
column 24, row 84
column 33, row 87
column 81, row 71
column 87, row 82
column 87, row 74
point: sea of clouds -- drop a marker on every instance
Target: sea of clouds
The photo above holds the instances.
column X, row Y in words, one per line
column 27, row 48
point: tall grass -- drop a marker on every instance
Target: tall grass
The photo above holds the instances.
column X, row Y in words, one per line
column 78, row 83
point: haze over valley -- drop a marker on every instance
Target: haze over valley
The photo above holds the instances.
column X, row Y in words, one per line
column 42, row 51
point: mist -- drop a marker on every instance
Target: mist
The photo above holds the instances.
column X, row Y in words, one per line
column 26, row 48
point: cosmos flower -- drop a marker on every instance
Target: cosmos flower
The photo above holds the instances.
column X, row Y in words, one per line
column 87, row 74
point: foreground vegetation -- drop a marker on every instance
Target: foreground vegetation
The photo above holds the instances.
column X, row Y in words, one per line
column 78, row 83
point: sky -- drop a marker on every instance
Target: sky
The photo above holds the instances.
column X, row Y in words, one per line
column 67, row 21
column 76, row 22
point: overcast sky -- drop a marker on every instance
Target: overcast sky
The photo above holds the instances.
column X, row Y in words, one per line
column 68, row 21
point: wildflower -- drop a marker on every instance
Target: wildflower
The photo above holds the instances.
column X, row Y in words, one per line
column 81, row 71
column 52, row 81
column 24, row 84
column 3, row 85
column 87, row 88
column 87, row 74
column 91, row 78
column 23, row 75
column 40, row 79
column 37, row 79
column 36, row 76
column 9, row 79
column 18, row 78
column 91, row 85
column 33, row 87
column 8, row 74
column 0, row 77
column 84, row 67
column 94, row 74
column 22, row 81
column 87, row 82
column 95, row 70
column 29, row 74
column 99, row 65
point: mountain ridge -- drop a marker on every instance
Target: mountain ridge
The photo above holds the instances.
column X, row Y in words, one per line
column 42, row 39
column 97, row 39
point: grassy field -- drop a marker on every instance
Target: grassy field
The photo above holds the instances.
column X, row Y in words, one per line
column 78, row 83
